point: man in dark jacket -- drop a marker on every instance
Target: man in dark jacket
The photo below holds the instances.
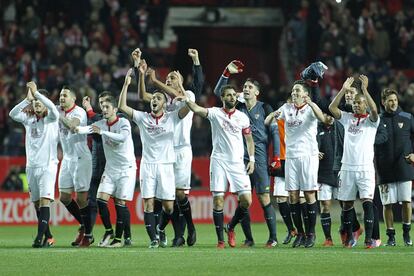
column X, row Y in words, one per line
column 328, row 186
column 394, row 160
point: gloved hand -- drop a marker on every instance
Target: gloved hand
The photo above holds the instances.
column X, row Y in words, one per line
column 275, row 166
column 234, row 67
column 314, row 71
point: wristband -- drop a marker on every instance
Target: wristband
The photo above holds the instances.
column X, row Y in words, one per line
column 251, row 158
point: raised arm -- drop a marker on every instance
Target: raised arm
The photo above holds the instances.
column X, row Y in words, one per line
column 122, row 103
column 234, row 67
column 116, row 137
column 373, row 111
column 250, row 150
column 315, row 108
column 162, row 86
column 142, row 91
column 334, row 106
column 200, row 111
column 198, row 77
column 53, row 113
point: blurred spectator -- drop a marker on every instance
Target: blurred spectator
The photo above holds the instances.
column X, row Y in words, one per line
column 13, row 183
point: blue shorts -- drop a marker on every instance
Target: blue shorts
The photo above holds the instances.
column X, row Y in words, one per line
column 259, row 179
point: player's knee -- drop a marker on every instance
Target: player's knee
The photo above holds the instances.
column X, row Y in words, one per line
column 264, row 199
column 310, row 197
column 325, row 206
column 218, row 201
column 44, row 202
column 65, row 198
column 180, row 194
column 149, row 205
column 245, row 199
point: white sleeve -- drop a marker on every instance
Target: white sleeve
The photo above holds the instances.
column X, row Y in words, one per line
column 84, row 129
column 118, row 137
column 16, row 113
column 282, row 112
column 344, row 118
column 53, row 113
column 211, row 114
column 137, row 116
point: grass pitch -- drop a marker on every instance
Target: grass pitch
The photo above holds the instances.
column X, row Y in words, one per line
column 18, row 258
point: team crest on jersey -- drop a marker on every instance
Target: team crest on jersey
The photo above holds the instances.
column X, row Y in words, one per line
column 400, row 125
column 256, row 116
column 35, row 133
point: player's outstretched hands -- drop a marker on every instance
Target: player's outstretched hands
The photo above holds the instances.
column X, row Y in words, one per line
column 128, row 77
column 193, row 53
column 95, row 129
column 86, row 103
column 151, row 74
column 136, row 56
column 410, row 158
column 31, row 85
column 347, row 84
column 321, row 155
column 307, row 99
column 364, row 82
column 143, row 66
column 234, row 67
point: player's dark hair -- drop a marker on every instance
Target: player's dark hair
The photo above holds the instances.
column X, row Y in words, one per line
column 304, row 84
column 255, row 83
column 112, row 100
column 387, row 92
column 225, row 88
column 165, row 96
column 71, row 90
column 105, row 94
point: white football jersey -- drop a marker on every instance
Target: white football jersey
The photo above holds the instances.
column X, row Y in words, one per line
column 73, row 145
column 359, row 141
column 301, row 128
column 157, row 135
column 227, row 133
column 41, row 133
column 182, row 132
column 117, row 144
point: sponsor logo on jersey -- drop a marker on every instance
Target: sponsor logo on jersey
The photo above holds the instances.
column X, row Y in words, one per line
column 229, row 127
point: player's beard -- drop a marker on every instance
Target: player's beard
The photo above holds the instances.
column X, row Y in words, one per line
column 229, row 105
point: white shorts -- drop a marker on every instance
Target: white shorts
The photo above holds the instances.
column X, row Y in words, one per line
column 235, row 173
column 279, row 188
column 302, row 173
column 75, row 175
column 42, row 182
column 182, row 168
column 157, row 180
column 351, row 182
column 120, row 185
column 395, row 192
column 327, row 192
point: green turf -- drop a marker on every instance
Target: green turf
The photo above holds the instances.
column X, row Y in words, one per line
column 17, row 257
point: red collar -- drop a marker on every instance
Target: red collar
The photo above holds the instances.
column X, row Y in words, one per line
column 114, row 122
column 359, row 116
column 70, row 109
column 299, row 107
column 157, row 118
column 229, row 113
